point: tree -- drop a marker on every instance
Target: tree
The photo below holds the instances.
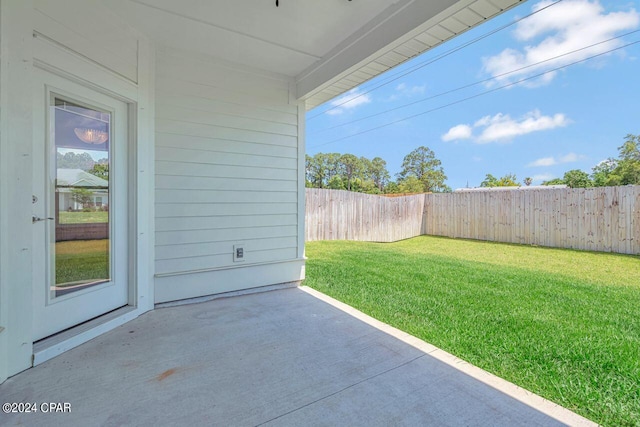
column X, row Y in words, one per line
column 624, row 170
column 308, row 171
column 335, row 183
column 602, row 172
column 422, row 164
column 509, row 180
column 316, row 169
column 554, row 181
column 576, row 178
column 101, row 170
column 627, row 173
column 392, row 188
column 333, row 165
column 630, row 150
column 527, row 181
column 364, row 186
column 352, row 167
column 411, row 184
column 489, row 181
column 378, row 173
column 82, row 196
column 364, row 173
column 345, row 172
column 71, row 160
column 628, row 169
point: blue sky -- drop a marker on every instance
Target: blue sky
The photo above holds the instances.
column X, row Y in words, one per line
column 568, row 119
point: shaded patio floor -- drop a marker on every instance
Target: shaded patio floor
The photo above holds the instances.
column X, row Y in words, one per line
column 290, row 357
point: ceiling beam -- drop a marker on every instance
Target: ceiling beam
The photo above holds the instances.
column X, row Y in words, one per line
column 397, row 24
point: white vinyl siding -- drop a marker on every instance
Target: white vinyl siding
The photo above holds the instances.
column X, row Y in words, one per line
column 226, row 166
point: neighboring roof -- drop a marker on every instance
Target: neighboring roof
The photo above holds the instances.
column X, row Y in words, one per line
column 79, row 178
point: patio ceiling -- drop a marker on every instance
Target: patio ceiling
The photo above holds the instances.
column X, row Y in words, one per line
column 328, row 46
column 285, row 39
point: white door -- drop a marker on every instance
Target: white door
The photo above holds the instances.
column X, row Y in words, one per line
column 80, row 257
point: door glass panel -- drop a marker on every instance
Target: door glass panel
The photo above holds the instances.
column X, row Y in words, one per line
column 81, row 244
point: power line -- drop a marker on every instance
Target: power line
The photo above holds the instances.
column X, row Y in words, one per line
column 473, row 84
column 431, row 61
column 474, row 96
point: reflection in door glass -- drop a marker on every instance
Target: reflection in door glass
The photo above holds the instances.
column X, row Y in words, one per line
column 81, row 139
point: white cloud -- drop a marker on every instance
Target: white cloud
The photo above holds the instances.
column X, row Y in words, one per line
column 551, row 161
column 545, row 161
column 405, row 91
column 502, row 127
column 543, row 177
column 458, row 132
column 569, row 158
column 410, row 91
column 562, row 28
column 348, row 101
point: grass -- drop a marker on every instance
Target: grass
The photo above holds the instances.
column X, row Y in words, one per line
column 564, row 324
column 83, row 217
column 82, row 261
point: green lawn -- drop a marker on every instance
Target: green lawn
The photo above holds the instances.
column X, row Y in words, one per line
column 82, row 261
column 83, row 217
column 564, row 324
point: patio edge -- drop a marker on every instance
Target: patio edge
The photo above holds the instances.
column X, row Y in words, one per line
column 533, row 400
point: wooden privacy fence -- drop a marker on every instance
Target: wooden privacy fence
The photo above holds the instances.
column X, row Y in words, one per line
column 599, row 219
column 90, row 231
column 603, row 219
column 345, row 215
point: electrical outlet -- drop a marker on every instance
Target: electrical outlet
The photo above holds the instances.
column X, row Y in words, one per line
column 238, row 253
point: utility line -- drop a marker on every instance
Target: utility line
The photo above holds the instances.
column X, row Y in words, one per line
column 472, row 84
column 431, row 61
column 474, row 96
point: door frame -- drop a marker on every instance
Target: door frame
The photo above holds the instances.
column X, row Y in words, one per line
column 22, row 49
column 108, row 83
column 49, row 86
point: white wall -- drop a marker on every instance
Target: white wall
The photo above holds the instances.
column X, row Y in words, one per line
column 229, row 158
column 80, row 40
column 15, row 188
column 227, row 172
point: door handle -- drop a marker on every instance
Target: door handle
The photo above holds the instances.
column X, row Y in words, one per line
column 35, row 219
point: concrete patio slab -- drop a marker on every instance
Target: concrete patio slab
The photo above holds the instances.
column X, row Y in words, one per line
column 290, row 357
